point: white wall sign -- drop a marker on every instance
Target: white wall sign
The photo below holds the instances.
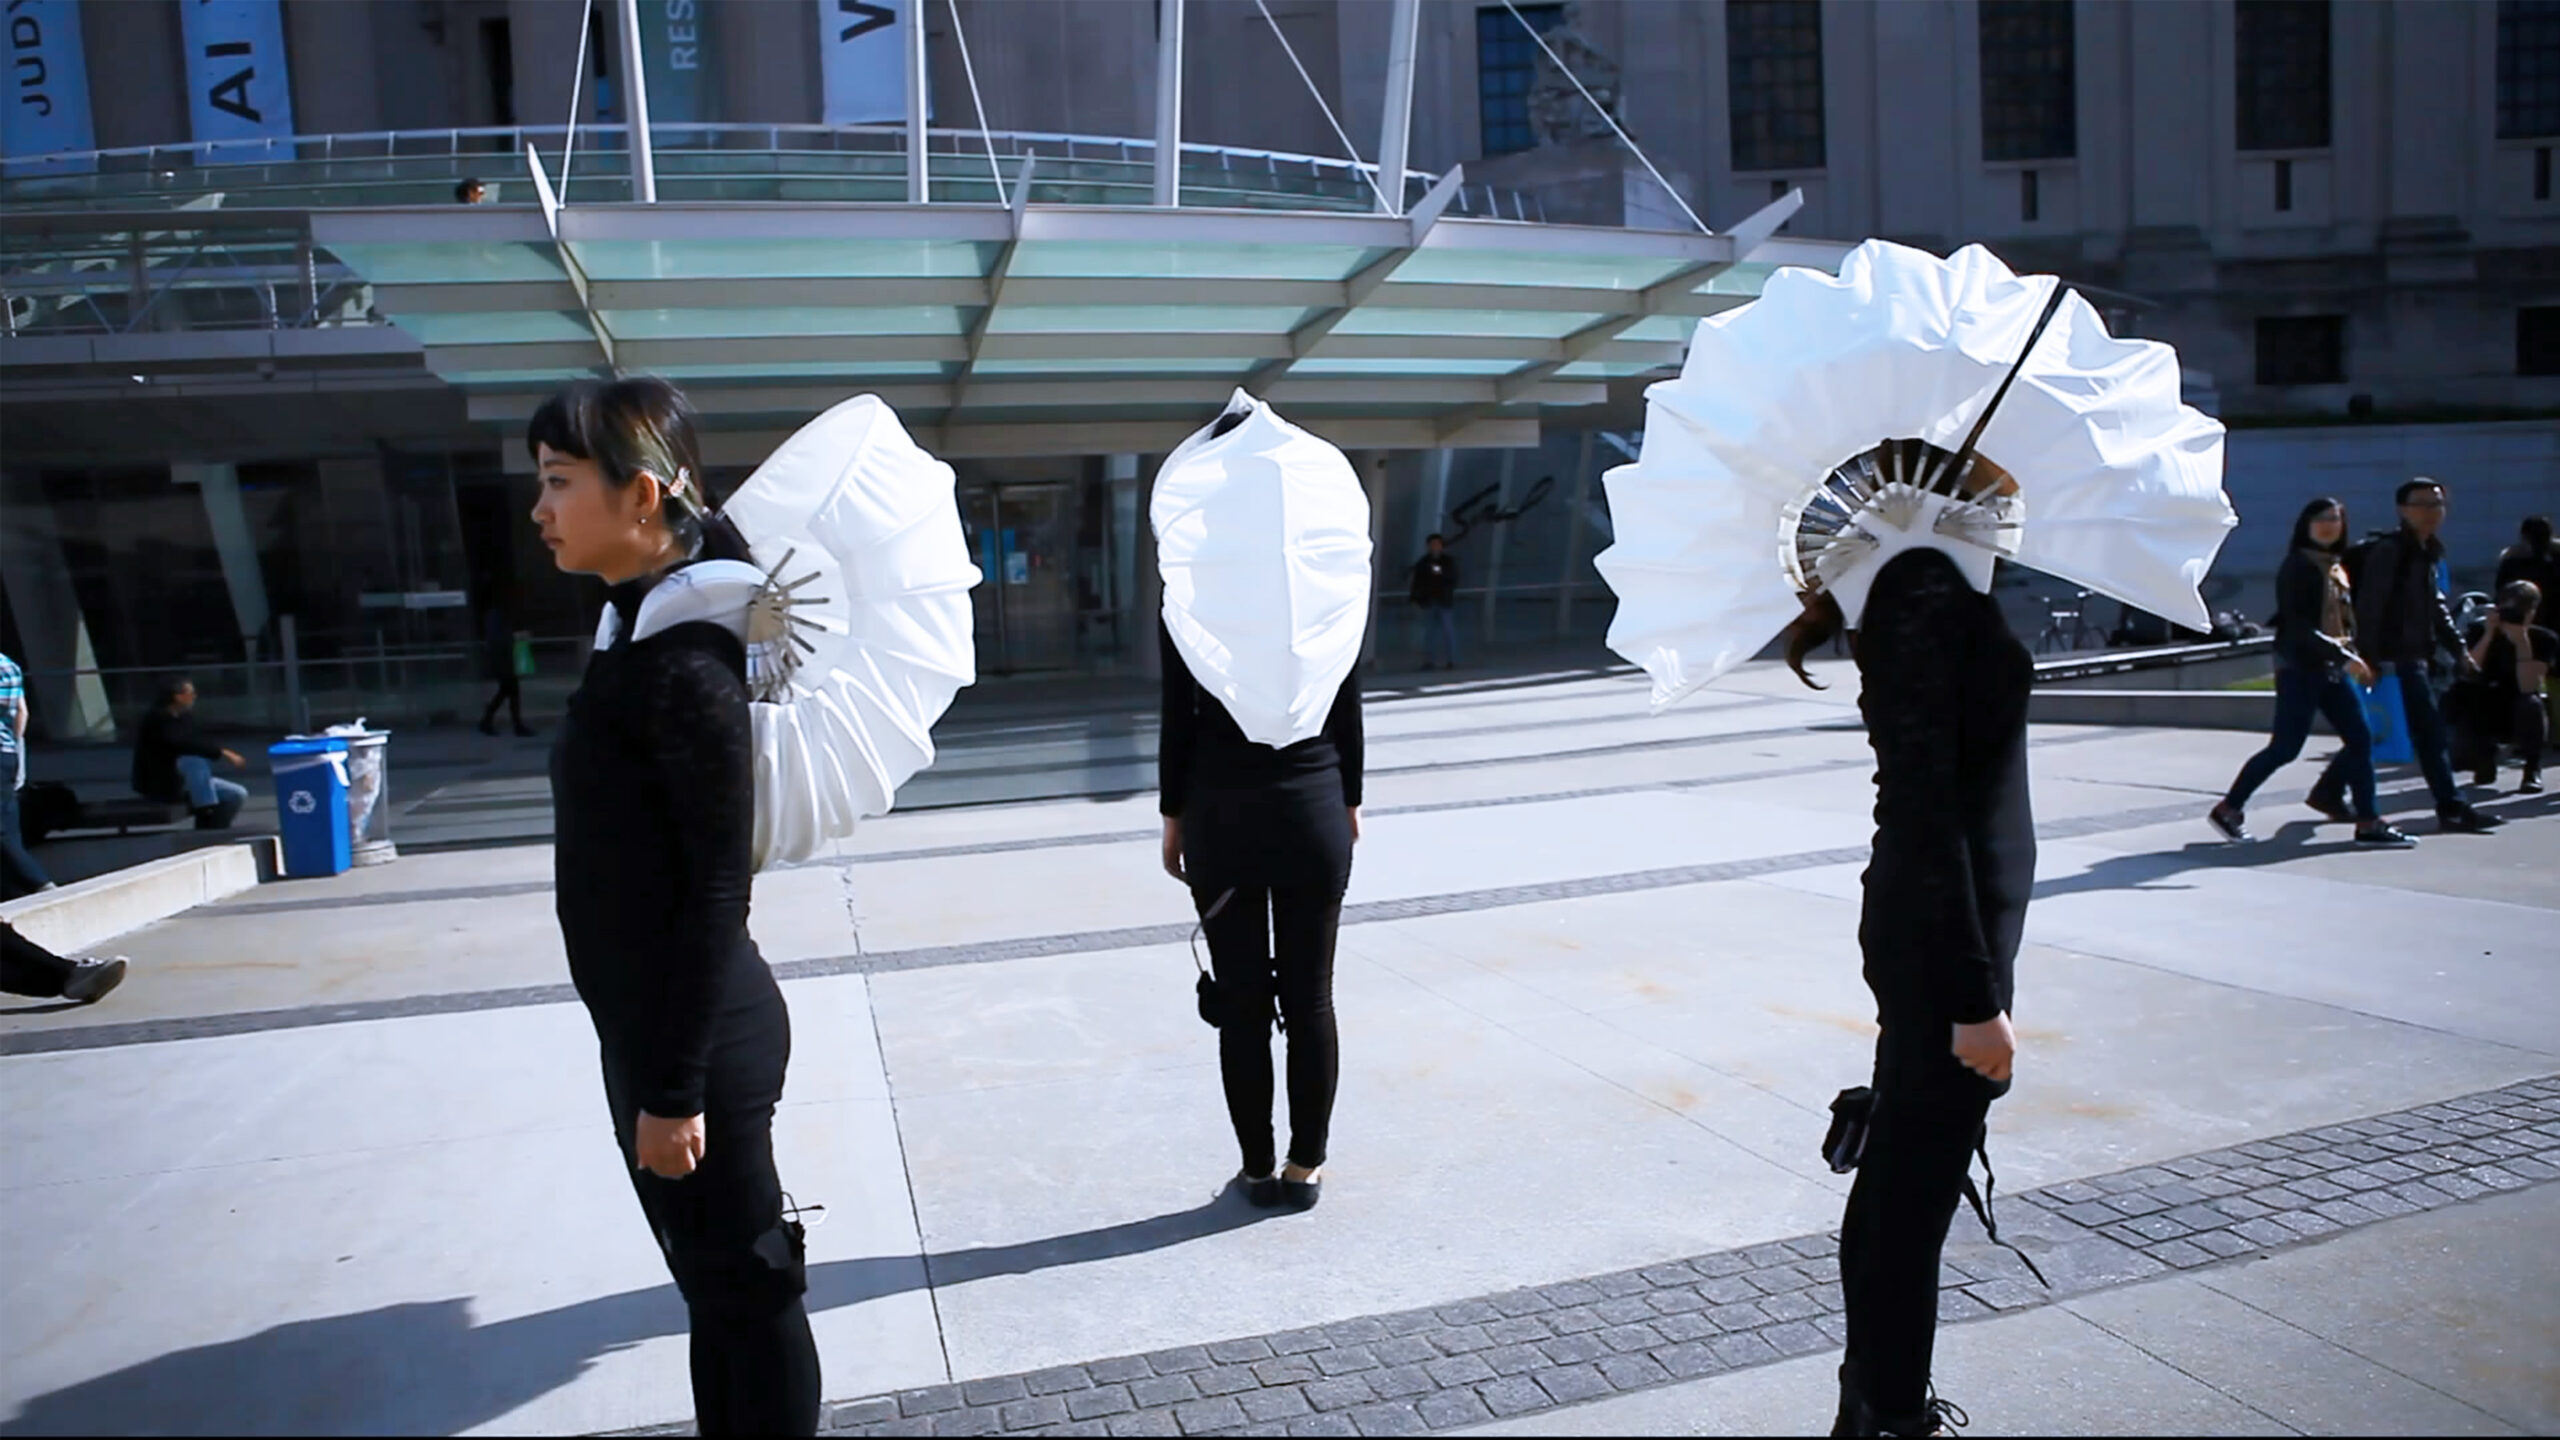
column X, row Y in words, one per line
column 862, row 48
column 238, row 87
column 47, row 104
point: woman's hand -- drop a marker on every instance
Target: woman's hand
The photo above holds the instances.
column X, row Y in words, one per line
column 1988, row 1049
column 2362, row 671
column 1173, row 848
column 669, row 1149
column 1355, row 824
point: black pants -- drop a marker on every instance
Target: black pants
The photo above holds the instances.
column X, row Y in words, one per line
column 737, row 1260
column 2524, row 724
column 1262, row 942
column 27, row 968
column 1929, row 1113
column 1284, row 848
column 510, row 694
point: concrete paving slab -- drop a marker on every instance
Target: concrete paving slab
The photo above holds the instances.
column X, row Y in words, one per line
column 1152, row 1142
column 341, row 1158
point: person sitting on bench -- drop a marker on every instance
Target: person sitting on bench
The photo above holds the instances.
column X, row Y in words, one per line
column 172, row 764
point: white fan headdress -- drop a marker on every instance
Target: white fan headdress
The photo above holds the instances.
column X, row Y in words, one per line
column 856, row 620
column 1837, row 421
column 1262, row 535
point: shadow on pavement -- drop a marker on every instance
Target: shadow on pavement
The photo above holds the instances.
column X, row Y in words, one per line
column 425, row 1369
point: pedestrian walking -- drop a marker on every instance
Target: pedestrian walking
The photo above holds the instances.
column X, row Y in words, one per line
column 27, row 968
column 498, row 659
column 173, row 762
column 2504, row 704
column 19, row 872
column 652, row 781
column 1434, row 592
column 2400, row 623
column 2315, row 652
column 1261, row 760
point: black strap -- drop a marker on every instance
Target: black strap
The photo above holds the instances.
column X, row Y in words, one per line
column 1981, row 1201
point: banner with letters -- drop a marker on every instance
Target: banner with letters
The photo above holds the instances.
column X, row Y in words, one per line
column 239, row 91
column 862, row 52
column 48, row 100
column 675, row 40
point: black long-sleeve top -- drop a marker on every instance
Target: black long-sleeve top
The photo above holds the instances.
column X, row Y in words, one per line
column 2400, row 615
column 2303, row 588
column 653, row 789
column 1201, row 745
column 1944, row 691
column 158, row 741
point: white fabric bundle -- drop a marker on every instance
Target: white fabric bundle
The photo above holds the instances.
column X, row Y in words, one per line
column 2120, row 483
column 1262, row 536
column 858, row 535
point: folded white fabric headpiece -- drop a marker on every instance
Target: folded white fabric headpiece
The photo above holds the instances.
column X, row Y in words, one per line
column 1262, row 536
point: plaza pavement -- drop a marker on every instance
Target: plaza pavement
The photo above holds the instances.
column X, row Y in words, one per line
column 334, row 1159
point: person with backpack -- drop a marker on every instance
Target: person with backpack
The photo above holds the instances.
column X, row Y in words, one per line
column 2401, row 622
column 2315, row 653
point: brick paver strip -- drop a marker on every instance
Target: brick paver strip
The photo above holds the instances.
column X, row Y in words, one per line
column 1524, row 1351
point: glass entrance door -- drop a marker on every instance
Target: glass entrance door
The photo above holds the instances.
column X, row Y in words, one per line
column 1023, row 536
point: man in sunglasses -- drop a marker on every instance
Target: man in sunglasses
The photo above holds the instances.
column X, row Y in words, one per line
column 2401, row 623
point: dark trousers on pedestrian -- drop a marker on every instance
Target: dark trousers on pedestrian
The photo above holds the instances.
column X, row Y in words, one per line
column 1928, row 1117
column 2300, row 693
column 1440, row 634
column 737, row 1258
column 1283, row 849
column 2527, row 727
column 27, row 968
column 510, row 694
column 19, row 872
column 2427, row 737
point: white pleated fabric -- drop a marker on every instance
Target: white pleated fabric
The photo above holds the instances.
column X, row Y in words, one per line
column 1262, row 536
column 2120, row 482
column 853, row 507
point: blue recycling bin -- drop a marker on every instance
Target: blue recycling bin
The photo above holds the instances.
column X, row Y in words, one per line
column 311, row 805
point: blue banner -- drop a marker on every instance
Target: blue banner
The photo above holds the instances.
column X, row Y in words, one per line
column 238, row 87
column 48, row 101
column 676, row 48
column 862, row 54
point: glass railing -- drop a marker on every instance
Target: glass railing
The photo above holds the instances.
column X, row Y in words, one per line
column 73, row 263
column 734, row 163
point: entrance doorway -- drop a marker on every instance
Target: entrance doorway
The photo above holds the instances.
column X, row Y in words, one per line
column 1024, row 538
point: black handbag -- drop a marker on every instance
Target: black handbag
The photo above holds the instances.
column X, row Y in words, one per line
column 1845, row 1144
column 1223, row 1005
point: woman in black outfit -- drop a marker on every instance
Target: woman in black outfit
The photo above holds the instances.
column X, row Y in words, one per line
column 1263, row 837
column 652, row 782
column 2315, row 653
column 1944, row 693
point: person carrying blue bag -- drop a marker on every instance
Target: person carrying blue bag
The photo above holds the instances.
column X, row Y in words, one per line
column 2401, row 623
column 2315, row 653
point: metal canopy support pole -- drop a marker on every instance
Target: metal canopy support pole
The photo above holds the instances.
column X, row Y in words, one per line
column 1573, row 536
column 644, row 164
column 1168, row 102
column 1396, row 129
column 919, row 174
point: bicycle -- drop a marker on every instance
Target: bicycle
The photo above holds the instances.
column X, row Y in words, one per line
column 2067, row 626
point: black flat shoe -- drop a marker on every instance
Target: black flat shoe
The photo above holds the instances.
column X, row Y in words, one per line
column 1262, row 1194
